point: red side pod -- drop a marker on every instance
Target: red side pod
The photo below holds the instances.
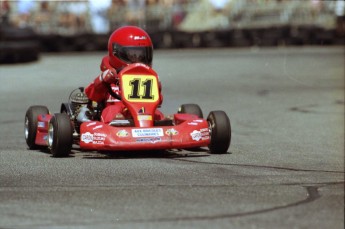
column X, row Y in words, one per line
column 42, row 129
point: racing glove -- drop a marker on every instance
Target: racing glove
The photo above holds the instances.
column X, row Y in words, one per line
column 109, row 76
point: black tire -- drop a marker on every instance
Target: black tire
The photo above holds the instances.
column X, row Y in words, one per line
column 60, row 135
column 30, row 124
column 219, row 124
column 191, row 109
column 67, row 108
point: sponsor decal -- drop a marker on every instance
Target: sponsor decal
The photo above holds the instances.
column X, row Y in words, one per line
column 139, row 38
column 119, row 122
column 205, row 133
column 196, row 135
column 202, row 134
column 87, row 137
column 141, row 110
column 192, row 123
column 91, row 124
column 122, row 133
column 148, row 132
column 99, row 138
column 100, row 135
column 171, row 131
column 41, row 124
column 205, row 138
column 198, row 120
column 144, row 117
column 97, row 127
column 96, row 138
column 119, row 116
column 150, row 140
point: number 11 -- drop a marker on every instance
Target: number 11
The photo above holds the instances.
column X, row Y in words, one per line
column 147, row 84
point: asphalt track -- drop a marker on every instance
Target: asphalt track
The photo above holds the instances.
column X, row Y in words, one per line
column 284, row 168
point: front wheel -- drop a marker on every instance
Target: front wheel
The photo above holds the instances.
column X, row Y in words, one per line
column 60, row 135
column 220, row 130
column 30, row 128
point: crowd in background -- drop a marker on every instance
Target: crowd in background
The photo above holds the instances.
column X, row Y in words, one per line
column 102, row 16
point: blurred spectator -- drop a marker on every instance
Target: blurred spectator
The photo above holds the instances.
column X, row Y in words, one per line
column 178, row 12
column 154, row 15
column 25, row 8
column 219, row 4
column 65, row 19
column 72, row 17
column 316, row 6
column 79, row 12
column 205, row 17
column 101, row 16
column 340, row 14
column 98, row 15
column 116, row 14
column 43, row 17
column 136, row 12
column 5, row 11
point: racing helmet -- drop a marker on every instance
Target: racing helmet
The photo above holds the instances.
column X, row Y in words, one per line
column 129, row 44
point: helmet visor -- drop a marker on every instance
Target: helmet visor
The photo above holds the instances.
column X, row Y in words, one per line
column 133, row 54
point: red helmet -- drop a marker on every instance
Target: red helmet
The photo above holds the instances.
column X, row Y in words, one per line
column 129, row 44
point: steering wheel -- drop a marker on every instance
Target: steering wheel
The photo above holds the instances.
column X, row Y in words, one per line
column 112, row 93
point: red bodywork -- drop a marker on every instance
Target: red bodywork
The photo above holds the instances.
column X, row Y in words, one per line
column 140, row 94
column 189, row 132
column 42, row 129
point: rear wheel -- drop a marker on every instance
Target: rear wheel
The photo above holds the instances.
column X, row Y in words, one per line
column 60, row 135
column 191, row 109
column 30, row 128
column 219, row 124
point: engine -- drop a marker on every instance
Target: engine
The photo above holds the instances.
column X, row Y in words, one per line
column 79, row 106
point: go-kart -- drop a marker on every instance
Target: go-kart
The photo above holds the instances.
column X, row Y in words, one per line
column 142, row 127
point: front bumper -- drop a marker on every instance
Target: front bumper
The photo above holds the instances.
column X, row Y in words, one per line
column 188, row 134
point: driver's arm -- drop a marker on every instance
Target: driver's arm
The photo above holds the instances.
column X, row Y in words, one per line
column 97, row 90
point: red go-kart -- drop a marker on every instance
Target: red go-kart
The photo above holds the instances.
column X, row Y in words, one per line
column 141, row 127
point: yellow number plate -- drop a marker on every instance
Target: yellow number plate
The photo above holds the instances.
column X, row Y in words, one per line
column 140, row 88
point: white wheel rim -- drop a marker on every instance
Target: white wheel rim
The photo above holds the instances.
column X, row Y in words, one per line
column 50, row 135
column 26, row 128
column 211, row 125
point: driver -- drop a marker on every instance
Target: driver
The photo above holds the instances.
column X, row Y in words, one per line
column 126, row 45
